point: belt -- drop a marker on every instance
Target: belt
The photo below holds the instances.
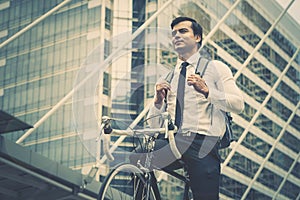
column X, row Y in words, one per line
column 190, row 133
column 199, row 136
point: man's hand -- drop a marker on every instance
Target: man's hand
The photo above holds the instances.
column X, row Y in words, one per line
column 161, row 92
column 198, row 83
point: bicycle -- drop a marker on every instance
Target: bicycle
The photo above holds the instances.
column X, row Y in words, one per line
column 130, row 182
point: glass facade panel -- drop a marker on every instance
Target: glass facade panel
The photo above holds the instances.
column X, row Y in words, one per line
column 254, row 16
column 296, row 122
column 296, row 171
column 108, row 18
column 240, row 163
column 279, row 109
column 290, row 190
column 254, row 194
column 288, row 92
column 248, row 112
column 106, row 84
column 268, row 126
column 283, row 42
column 270, row 179
column 234, row 49
column 281, row 159
column 232, row 188
column 293, row 73
column 256, row 145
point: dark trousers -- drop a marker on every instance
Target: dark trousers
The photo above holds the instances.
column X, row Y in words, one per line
column 200, row 156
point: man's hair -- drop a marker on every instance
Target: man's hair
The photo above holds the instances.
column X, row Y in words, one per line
column 195, row 26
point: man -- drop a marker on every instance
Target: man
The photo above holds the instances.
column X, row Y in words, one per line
column 197, row 105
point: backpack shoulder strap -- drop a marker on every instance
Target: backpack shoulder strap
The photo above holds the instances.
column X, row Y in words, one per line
column 169, row 76
column 202, row 64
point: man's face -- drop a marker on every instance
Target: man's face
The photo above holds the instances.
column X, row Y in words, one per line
column 183, row 38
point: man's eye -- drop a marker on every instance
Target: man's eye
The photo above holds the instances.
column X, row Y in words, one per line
column 183, row 30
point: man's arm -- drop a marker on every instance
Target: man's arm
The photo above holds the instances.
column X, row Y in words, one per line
column 223, row 91
column 159, row 104
column 161, row 91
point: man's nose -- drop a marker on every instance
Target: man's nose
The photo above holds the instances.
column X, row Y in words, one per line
column 175, row 34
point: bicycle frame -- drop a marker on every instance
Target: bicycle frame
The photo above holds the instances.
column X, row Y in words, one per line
column 149, row 177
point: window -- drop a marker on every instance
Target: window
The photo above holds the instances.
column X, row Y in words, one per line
column 106, row 83
column 105, row 111
column 107, row 48
column 108, row 18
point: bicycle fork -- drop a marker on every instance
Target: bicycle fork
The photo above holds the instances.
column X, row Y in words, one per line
column 150, row 179
column 152, row 182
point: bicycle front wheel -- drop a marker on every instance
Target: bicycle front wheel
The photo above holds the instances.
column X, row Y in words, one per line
column 126, row 182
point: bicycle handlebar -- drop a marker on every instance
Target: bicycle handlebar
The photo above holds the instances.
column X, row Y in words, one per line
column 169, row 129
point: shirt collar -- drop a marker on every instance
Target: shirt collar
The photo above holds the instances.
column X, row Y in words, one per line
column 192, row 60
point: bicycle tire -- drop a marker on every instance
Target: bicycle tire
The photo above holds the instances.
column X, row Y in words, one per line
column 125, row 182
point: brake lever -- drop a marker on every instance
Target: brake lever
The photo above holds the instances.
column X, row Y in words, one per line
column 106, row 125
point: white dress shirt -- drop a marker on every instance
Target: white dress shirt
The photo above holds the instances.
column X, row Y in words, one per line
column 204, row 115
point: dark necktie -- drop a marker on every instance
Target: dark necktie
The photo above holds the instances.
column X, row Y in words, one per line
column 180, row 95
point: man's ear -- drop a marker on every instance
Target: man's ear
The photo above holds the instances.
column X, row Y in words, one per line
column 198, row 38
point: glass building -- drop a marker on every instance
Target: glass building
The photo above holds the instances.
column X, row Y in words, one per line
column 66, row 63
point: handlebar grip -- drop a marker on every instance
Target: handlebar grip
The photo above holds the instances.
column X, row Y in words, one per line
column 107, row 129
column 171, row 125
column 106, row 125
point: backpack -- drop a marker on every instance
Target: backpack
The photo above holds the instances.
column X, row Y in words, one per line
column 227, row 137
